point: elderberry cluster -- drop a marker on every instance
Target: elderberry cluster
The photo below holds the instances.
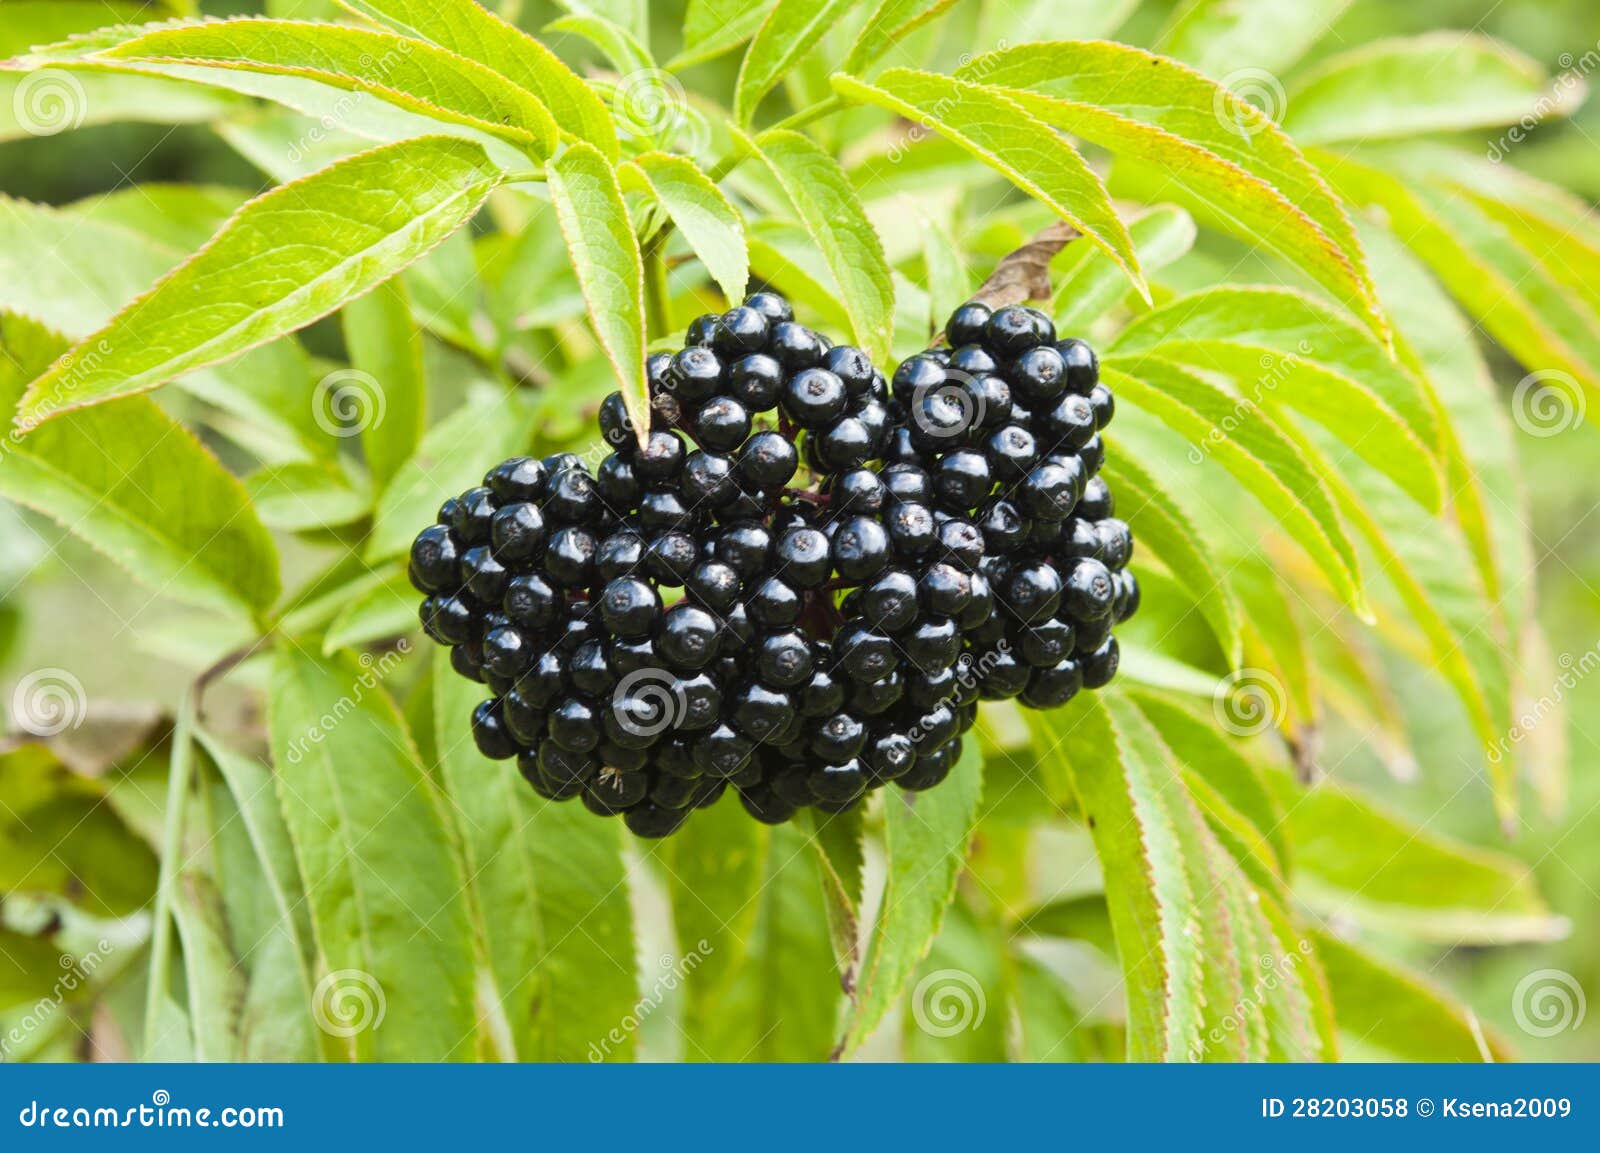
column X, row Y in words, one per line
column 800, row 581
column 1003, row 428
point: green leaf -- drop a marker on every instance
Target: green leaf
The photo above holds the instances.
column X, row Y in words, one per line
column 889, row 23
column 1126, row 804
column 1089, row 284
column 1356, row 860
column 712, row 226
column 54, row 100
column 1223, row 38
column 138, row 487
column 58, row 837
column 1215, row 149
column 73, row 268
column 1400, row 1013
column 1486, row 488
column 250, row 783
column 712, row 27
column 1161, row 526
column 465, row 28
column 215, row 982
column 1282, row 346
column 410, row 74
column 382, row 878
column 385, row 386
column 1431, row 569
column 1218, row 775
column 452, row 457
column 382, row 613
column 958, row 1009
column 783, row 1004
column 549, row 892
column 926, row 838
column 1414, row 85
column 831, row 212
column 1008, row 139
column 181, row 217
column 605, row 255
column 626, row 54
column 303, row 497
column 714, row 868
column 1509, row 290
column 1254, row 450
column 352, row 226
column 791, row 29
column 946, row 277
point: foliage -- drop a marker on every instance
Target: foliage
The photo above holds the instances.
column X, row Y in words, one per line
column 1301, row 307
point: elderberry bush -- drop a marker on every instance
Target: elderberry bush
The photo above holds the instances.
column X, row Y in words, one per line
column 799, row 582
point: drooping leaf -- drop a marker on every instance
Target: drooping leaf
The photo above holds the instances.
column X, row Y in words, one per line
column 1088, row 284
column 382, row 613
column 453, row 456
column 307, row 496
column 1279, row 346
column 1162, row 526
column 465, row 28
column 55, row 100
column 215, row 983
column 605, row 255
column 284, row 260
column 712, row 27
column 712, row 226
column 58, row 837
column 832, row 214
column 714, row 868
column 1429, row 566
column 783, row 1003
column 411, row 74
column 926, row 841
column 549, row 893
column 382, row 879
column 1355, row 859
column 1485, row 483
column 1247, row 40
column 1254, row 450
column 137, row 486
column 1400, row 1013
column 888, row 24
column 1148, row 891
column 1219, row 152
column 1003, row 135
column 386, row 380
column 1411, row 86
column 1509, row 290
column 790, row 30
